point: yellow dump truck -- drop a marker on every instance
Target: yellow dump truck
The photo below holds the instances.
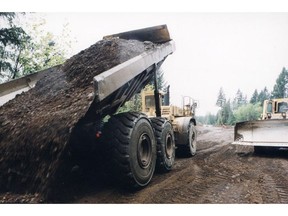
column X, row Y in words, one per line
column 78, row 96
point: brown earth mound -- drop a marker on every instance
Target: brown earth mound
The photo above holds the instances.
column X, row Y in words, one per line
column 35, row 127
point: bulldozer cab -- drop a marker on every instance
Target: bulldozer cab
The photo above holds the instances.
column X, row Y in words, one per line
column 275, row 109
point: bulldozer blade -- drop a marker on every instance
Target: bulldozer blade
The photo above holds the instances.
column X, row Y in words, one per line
column 262, row 133
column 155, row 34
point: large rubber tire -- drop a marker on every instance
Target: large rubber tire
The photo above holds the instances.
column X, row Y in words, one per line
column 192, row 140
column 165, row 144
column 132, row 145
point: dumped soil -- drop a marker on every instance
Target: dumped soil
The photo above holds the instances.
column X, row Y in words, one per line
column 35, row 127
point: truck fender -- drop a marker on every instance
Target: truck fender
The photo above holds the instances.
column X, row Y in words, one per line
column 181, row 129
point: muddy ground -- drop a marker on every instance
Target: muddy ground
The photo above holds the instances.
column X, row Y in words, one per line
column 220, row 173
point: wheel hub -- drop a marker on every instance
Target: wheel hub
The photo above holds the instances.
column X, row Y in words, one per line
column 169, row 146
column 144, row 151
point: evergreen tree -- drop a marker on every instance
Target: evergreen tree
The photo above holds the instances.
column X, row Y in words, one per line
column 162, row 85
column 231, row 118
column 280, row 89
column 225, row 114
column 228, row 117
column 211, row 119
column 239, row 100
column 221, row 100
column 263, row 95
column 254, row 98
column 208, row 119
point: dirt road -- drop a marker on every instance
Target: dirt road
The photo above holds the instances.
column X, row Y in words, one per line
column 219, row 173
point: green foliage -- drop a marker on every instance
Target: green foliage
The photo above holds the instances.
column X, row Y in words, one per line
column 248, row 112
column 8, row 16
column 134, row 104
column 241, row 110
column 162, row 84
column 208, row 119
column 24, row 52
column 45, row 50
column 260, row 97
column 254, row 98
column 239, row 100
column 12, row 41
column 225, row 115
column 280, row 89
column 221, row 100
column 263, row 95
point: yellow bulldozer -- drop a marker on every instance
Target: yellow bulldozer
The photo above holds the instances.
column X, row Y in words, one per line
column 270, row 132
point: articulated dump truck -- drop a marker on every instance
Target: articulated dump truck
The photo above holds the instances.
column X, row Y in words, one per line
column 49, row 130
column 268, row 133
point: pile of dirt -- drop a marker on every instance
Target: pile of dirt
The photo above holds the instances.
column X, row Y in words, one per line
column 35, row 127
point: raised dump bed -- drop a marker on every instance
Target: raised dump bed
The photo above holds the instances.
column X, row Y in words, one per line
column 39, row 126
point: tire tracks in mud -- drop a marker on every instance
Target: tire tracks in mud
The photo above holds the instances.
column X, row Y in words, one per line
column 219, row 173
column 230, row 175
column 274, row 181
column 265, row 175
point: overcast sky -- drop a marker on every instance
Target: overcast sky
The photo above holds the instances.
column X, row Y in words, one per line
column 235, row 45
column 245, row 51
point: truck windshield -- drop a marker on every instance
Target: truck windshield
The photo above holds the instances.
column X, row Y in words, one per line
column 282, row 107
column 150, row 101
column 269, row 108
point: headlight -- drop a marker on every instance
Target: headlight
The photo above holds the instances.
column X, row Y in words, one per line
column 284, row 114
column 269, row 115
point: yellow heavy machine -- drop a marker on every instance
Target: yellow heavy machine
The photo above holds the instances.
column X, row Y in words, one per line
column 269, row 132
column 275, row 109
column 174, row 126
